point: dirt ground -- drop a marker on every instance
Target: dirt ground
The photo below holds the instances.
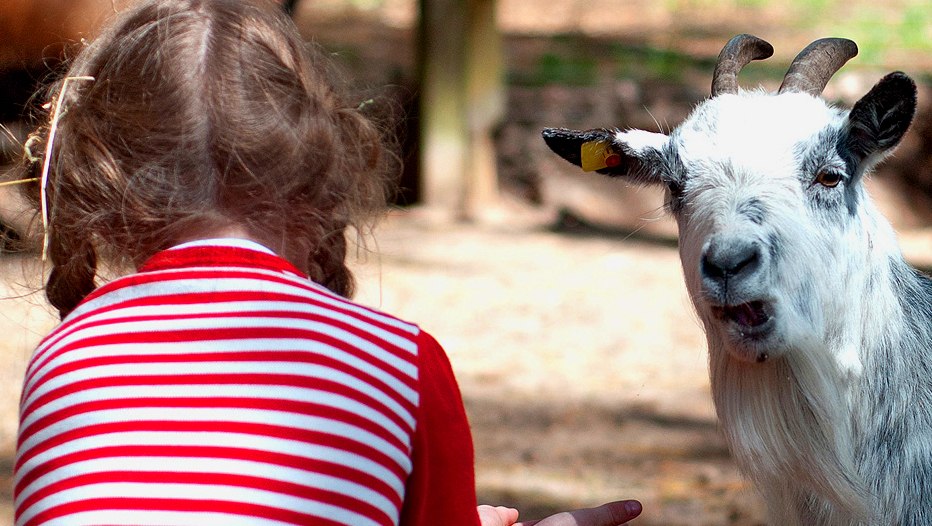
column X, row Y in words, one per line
column 581, row 363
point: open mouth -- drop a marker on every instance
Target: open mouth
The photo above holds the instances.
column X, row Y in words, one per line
column 750, row 315
column 750, row 328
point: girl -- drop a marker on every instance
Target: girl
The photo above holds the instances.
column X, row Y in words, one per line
column 227, row 379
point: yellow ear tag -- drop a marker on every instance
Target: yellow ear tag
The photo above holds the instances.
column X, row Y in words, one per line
column 595, row 155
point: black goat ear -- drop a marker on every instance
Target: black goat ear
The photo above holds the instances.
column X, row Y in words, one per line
column 880, row 119
column 602, row 150
column 574, row 146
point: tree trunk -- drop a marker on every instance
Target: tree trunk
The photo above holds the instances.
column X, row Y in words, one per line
column 485, row 106
column 460, row 63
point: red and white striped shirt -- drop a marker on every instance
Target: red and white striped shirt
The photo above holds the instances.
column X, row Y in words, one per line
column 219, row 386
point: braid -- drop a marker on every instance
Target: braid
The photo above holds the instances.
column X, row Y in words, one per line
column 327, row 263
column 74, row 267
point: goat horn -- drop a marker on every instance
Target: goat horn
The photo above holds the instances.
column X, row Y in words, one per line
column 810, row 70
column 736, row 54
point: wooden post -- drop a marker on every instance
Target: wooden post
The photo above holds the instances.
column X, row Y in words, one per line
column 460, row 74
column 443, row 129
column 485, row 101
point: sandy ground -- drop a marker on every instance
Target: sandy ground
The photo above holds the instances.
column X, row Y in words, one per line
column 24, row 318
column 580, row 361
column 582, row 366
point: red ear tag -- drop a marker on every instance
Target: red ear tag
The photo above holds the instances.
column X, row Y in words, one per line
column 613, row 160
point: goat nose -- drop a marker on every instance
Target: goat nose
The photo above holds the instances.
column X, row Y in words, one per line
column 726, row 258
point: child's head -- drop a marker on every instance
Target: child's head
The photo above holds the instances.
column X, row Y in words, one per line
column 205, row 116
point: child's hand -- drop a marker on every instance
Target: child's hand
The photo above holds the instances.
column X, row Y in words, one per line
column 497, row 515
column 611, row 514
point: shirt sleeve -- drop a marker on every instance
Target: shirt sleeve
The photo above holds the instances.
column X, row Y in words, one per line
column 442, row 487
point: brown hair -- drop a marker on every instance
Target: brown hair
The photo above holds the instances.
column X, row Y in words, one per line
column 204, row 115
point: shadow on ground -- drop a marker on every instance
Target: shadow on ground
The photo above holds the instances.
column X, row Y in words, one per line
column 544, row 456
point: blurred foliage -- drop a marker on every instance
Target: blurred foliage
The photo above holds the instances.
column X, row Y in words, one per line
column 884, row 32
column 577, row 60
column 910, row 31
column 877, row 27
column 571, row 70
column 651, row 63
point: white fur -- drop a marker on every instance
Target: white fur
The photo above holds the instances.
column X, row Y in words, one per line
column 797, row 422
column 640, row 140
column 819, row 333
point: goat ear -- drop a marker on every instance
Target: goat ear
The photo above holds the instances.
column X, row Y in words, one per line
column 880, row 119
column 609, row 152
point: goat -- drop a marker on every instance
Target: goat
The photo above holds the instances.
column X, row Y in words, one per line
column 819, row 333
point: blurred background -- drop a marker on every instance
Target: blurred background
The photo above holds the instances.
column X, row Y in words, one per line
column 558, row 295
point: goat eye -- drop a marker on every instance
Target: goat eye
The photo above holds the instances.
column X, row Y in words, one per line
column 828, row 178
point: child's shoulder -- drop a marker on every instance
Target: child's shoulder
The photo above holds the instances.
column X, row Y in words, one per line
column 222, row 278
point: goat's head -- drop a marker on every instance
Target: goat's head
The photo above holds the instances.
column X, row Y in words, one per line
column 766, row 190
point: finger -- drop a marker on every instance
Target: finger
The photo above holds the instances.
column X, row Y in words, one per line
column 496, row 515
column 611, row 514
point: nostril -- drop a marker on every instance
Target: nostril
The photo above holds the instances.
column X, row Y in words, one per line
column 723, row 259
column 747, row 260
column 711, row 269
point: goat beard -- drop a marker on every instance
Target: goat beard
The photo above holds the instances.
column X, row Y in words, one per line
column 788, row 424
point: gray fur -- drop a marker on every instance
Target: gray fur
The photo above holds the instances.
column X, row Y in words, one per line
column 819, row 333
